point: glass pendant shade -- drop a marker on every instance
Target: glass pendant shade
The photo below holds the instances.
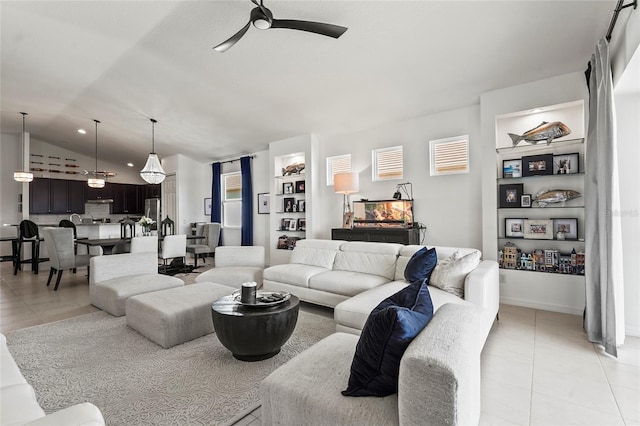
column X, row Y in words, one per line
column 95, row 183
column 152, row 171
column 23, row 176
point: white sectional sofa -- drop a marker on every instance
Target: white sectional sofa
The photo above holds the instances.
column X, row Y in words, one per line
column 18, row 404
column 353, row 277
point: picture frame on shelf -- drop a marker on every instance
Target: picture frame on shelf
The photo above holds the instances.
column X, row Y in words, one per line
column 514, row 227
column 283, row 242
column 301, row 205
column 293, row 225
column 568, row 227
column 299, row 186
column 538, row 229
column 263, row 203
column 566, row 164
column 302, row 224
column 512, row 168
column 525, row 200
column 207, row 206
column 287, row 204
column 537, row 165
column 287, row 187
column 284, row 224
column 509, row 195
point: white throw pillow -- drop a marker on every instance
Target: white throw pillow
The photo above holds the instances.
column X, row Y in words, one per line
column 450, row 273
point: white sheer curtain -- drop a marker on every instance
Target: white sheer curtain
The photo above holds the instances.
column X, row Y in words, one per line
column 604, row 313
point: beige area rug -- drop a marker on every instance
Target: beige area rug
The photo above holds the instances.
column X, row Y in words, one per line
column 133, row 381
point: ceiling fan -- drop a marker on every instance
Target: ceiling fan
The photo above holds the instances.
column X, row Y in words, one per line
column 263, row 19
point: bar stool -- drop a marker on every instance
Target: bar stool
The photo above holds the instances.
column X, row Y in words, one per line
column 27, row 233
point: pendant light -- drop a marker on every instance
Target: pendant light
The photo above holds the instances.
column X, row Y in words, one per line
column 95, row 181
column 152, row 171
column 24, row 176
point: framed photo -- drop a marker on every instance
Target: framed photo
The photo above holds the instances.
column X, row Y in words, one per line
column 293, row 225
column 538, row 229
column 301, row 205
column 299, row 186
column 263, row 203
column 514, row 227
column 566, row 164
column 302, row 224
column 347, row 220
column 525, row 200
column 285, row 223
column 287, row 187
column 509, row 195
column 512, row 168
column 568, row 227
column 537, row 165
column 207, row 206
column 288, row 205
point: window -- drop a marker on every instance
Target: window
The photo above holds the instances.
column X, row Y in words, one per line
column 449, row 156
column 387, row 163
column 232, row 200
column 337, row 164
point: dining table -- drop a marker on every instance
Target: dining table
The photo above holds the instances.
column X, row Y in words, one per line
column 107, row 244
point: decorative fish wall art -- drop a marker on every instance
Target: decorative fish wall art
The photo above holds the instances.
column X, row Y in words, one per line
column 545, row 131
column 549, row 196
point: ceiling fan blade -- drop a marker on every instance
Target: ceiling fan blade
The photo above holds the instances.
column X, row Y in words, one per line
column 222, row 47
column 329, row 30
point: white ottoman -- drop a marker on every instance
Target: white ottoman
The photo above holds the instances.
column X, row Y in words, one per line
column 174, row 316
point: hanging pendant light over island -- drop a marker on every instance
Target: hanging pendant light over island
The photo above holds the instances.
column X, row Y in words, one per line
column 152, row 171
column 23, row 176
column 95, row 181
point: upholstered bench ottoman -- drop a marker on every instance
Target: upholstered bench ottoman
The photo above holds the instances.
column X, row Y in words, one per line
column 174, row 316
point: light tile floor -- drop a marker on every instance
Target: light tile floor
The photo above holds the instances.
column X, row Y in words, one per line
column 537, row 366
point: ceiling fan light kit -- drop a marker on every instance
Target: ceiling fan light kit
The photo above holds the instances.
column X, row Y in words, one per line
column 152, row 171
column 96, row 182
column 23, row 176
column 262, row 18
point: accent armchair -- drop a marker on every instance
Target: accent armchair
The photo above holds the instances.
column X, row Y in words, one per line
column 211, row 232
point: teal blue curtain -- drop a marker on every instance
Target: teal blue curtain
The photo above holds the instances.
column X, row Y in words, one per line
column 247, row 202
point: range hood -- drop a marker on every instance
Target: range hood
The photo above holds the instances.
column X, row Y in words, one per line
column 101, row 201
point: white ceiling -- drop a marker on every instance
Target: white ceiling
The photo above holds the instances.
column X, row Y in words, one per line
column 68, row 62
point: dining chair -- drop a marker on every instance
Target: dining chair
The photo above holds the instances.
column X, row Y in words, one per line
column 28, row 233
column 211, row 233
column 167, row 227
column 173, row 246
column 142, row 244
column 59, row 244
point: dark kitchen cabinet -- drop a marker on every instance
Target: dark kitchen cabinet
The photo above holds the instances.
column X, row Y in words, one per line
column 93, row 194
column 56, row 196
column 151, row 191
column 126, row 199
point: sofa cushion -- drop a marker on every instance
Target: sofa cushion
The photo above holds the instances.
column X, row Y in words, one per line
column 380, row 264
column 292, row 273
column 232, row 275
column 407, row 251
column 18, row 405
column 353, row 312
column 346, row 283
column 319, row 253
column 450, row 273
column 421, row 265
column 390, row 328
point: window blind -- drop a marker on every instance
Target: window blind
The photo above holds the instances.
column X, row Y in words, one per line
column 232, row 186
column 449, row 156
column 337, row 164
column 388, row 163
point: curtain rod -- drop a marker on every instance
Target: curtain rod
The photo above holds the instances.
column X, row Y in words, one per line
column 616, row 11
column 235, row 159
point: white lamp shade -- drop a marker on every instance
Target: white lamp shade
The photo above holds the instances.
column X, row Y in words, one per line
column 152, row 171
column 346, row 183
column 95, row 183
column 23, row 176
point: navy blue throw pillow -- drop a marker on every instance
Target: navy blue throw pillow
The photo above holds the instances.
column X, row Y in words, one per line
column 389, row 330
column 421, row 265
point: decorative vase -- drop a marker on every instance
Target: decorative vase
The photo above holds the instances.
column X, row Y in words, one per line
column 146, row 231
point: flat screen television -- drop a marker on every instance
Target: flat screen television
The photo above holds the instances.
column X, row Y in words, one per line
column 383, row 214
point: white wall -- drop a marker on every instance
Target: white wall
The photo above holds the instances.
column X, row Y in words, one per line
column 10, row 152
column 544, row 291
column 450, row 206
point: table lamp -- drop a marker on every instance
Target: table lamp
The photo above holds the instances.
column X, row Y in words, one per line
column 346, row 183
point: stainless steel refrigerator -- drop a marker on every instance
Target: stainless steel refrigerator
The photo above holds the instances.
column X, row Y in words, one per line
column 152, row 211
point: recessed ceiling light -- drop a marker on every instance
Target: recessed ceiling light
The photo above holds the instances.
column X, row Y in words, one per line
column 130, row 164
column 82, row 131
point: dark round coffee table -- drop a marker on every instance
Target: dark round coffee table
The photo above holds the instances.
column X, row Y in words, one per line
column 254, row 333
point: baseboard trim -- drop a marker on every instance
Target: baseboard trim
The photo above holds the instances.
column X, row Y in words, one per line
column 542, row 306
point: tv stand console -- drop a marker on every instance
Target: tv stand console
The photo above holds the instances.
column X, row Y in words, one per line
column 378, row 235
